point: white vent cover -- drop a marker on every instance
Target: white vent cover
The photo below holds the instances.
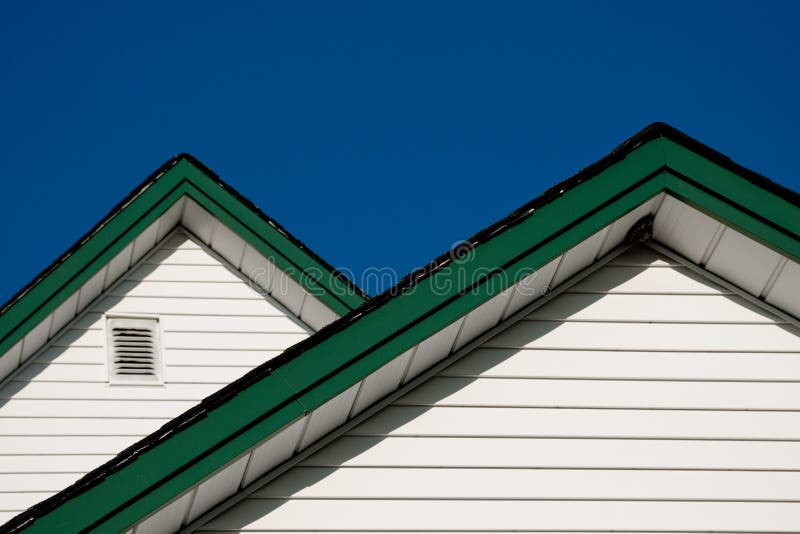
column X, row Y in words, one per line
column 134, row 350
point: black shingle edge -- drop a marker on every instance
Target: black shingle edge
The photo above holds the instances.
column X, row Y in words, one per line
column 166, row 166
column 200, row 411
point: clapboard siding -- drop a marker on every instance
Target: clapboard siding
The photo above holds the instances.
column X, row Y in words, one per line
column 59, row 417
column 558, row 453
column 644, row 398
column 534, row 363
column 411, row 421
column 532, row 484
column 420, row 515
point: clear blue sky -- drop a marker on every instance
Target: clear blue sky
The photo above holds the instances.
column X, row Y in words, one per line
column 378, row 133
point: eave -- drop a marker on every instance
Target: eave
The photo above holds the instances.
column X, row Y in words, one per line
column 336, row 362
column 182, row 191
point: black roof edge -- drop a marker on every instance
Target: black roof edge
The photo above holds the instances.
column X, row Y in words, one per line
column 275, row 224
column 155, row 175
column 200, row 411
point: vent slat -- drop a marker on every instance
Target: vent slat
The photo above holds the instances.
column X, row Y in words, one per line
column 134, row 351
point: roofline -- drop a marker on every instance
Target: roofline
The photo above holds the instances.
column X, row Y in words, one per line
column 203, row 409
column 155, row 175
column 167, row 165
column 275, row 224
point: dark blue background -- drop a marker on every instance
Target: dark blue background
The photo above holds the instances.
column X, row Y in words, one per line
column 378, row 133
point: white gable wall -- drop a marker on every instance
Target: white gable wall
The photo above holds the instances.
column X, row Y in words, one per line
column 59, row 417
column 644, row 398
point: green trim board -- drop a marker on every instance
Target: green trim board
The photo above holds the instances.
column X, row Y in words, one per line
column 227, row 424
column 181, row 176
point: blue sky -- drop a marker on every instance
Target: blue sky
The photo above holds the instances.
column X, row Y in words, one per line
column 378, row 133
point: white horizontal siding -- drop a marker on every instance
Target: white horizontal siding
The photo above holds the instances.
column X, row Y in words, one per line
column 59, row 417
column 531, row 484
column 642, row 399
column 558, row 453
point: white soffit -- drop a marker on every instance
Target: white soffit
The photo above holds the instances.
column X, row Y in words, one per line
column 685, row 229
column 754, row 268
column 784, row 292
column 743, row 261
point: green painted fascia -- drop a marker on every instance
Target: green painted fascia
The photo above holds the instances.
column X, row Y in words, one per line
column 338, row 361
column 737, row 202
column 316, row 278
column 183, row 178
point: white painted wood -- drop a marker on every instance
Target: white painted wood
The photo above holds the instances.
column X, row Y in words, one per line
column 569, row 484
column 30, row 463
column 193, row 305
column 273, row 451
column 433, row 349
column 623, row 279
column 181, row 256
column 91, row 289
column 118, row 266
column 579, row 257
column 483, row 318
column 79, row 426
column 218, row 358
column 785, row 293
column 232, row 340
column 92, row 409
column 67, row 355
column 650, row 336
column 181, row 241
column 315, row 314
column 59, row 417
column 328, row 416
column 581, row 423
column 64, row 314
column 382, row 382
column 576, row 453
column 35, row 338
column 81, row 390
column 232, row 323
column 81, row 338
column 10, row 360
column 470, row 515
column 199, row 290
column 145, row 241
column 258, row 269
column 168, row 519
column 189, row 374
column 184, row 273
column 13, row 502
column 743, row 261
column 217, row 374
column 684, row 229
column 197, row 220
column 287, row 291
column 620, row 228
column 170, row 219
column 662, row 308
column 24, row 482
column 642, row 257
column 536, row 363
column 658, row 403
column 229, row 245
column 531, row 287
column 65, row 445
column 218, row 487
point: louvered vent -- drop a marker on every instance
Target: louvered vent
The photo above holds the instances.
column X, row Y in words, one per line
column 134, row 351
